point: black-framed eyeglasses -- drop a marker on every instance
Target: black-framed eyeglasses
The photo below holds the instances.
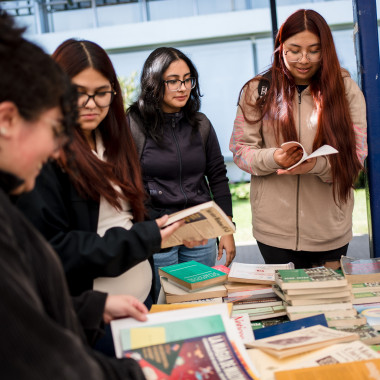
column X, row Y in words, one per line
column 102, row 98
column 176, row 84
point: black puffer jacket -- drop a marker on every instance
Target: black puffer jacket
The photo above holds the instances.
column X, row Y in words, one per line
column 184, row 171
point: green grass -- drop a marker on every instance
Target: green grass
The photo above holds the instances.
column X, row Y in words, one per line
column 242, row 217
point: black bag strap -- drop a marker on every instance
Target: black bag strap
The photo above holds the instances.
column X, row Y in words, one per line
column 264, row 84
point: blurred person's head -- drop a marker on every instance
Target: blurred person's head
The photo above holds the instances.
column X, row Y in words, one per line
column 37, row 105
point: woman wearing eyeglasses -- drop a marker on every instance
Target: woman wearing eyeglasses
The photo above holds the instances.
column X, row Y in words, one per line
column 91, row 208
column 303, row 215
column 180, row 156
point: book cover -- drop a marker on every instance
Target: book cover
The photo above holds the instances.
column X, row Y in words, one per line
column 355, row 370
column 259, row 324
column 255, row 273
column 174, row 293
column 193, row 275
column 319, row 277
column 211, row 356
column 243, row 325
column 282, row 328
column 361, row 270
column 322, row 151
column 372, row 316
column 307, row 339
column 204, row 221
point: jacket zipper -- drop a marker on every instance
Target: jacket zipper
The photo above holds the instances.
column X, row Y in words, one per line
column 180, row 162
column 298, row 176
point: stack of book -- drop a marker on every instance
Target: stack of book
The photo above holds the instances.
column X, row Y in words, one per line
column 257, row 304
column 314, row 291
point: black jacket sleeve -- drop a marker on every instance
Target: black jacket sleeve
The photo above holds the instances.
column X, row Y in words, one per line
column 69, row 223
column 216, row 173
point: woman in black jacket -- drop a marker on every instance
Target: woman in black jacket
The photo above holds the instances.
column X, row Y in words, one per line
column 179, row 152
column 43, row 337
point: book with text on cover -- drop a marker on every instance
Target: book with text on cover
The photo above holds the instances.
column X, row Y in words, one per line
column 204, row 221
column 177, row 342
column 192, row 275
column 322, row 151
column 360, row 270
column 255, row 273
column 303, row 340
column 174, row 293
column 319, row 277
column 365, row 286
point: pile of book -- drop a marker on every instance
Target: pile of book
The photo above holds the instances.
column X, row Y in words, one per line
column 318, row 290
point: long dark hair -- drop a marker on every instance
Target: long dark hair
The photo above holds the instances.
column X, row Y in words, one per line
column 328, row 91
column 92, row 177
column 152, row 88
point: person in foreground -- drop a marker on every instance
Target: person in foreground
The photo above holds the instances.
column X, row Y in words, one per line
column 179, row 151
column 45, row 334
column 303, row 215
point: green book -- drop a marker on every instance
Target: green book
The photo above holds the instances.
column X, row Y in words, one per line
column 193, row 275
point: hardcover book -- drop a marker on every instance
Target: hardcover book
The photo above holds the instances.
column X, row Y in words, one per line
column 322, row 151
column 255, row 273
column 192, row 275
column 319, row 277
column 204, row 221
column 360, row 270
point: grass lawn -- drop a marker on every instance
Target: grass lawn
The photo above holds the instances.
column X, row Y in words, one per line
column 242, row 217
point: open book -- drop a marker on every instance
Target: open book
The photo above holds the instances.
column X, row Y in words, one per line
column 322, row 151
column 204, row 221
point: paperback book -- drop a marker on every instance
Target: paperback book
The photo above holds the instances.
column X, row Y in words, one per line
column 298, row 341
column 350, row 312
column 322, row 151
column 349, row 321
column 319, row 277
column 255, row 273
column 192, row 275
column 366, row 297
column 366, row 333
column 174, row 293
column 365, row 286
column 204, row 221
column 258, row 313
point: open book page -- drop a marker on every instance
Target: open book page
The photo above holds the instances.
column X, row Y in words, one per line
column 204, row 221
column 322, row 151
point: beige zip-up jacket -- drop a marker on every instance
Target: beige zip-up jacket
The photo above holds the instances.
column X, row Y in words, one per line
column 295, row 212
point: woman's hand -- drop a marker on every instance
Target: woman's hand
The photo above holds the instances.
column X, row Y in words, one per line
column 303, row 168
column 286, row 159
column 121, row 306
column 227, row 243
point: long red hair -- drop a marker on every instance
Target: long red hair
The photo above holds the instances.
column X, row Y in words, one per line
column 327, row 88
column 92, row 177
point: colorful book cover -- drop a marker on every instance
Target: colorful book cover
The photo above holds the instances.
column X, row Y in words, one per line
column 192, row 272
column 208, row 357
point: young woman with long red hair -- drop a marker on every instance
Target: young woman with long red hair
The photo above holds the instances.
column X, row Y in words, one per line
column 303, row 215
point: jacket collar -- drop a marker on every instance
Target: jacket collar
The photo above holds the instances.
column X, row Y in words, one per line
column 177, row 116
column 9, row 182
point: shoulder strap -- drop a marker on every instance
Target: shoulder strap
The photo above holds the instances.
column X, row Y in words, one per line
column 137, row 134
column 204, row 127
column 264, row 84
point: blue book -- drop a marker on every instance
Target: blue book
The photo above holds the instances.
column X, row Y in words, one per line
column 285, row 327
